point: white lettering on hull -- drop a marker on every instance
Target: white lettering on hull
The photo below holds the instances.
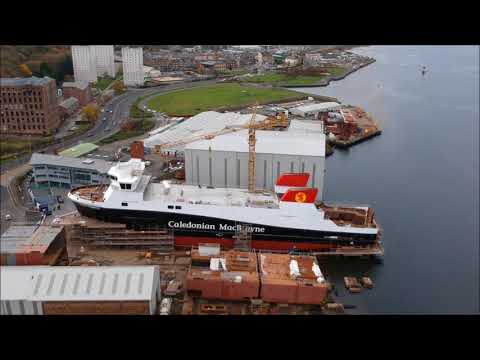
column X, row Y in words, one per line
column 203, row 226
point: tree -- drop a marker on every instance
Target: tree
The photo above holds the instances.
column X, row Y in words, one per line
column 90, row 112
column 118, row 86
column 25, row 70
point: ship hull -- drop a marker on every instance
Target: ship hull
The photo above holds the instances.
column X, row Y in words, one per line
column 190, row 230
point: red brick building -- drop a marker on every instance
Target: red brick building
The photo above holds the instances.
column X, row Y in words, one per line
column 28, row 106
column 78, row 90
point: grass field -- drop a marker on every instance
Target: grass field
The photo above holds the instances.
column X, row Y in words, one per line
column 293, row 79
column 103, row 83
column 196, row 100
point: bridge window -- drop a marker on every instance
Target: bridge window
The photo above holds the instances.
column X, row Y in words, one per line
column 178, row 207
column 124, row 204
column 170, row 206
column 128, row 186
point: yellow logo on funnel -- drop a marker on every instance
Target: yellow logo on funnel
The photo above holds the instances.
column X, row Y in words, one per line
column 300, row 197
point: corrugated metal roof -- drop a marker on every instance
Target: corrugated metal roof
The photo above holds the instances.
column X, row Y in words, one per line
column 68, row 103
column 203, row 123
column 316, row 107
column 16, row 281
column 79, row 150
column 99, row 165
column 34, row 81
column 28, row 238
column 268, row 142
column 72, row 283
column 77, row 84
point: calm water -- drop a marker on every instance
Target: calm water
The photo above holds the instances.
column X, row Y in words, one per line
column 421, row 175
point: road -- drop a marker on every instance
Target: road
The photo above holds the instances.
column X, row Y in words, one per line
column 120, row 105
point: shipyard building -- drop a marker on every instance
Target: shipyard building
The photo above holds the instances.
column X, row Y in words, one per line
column 222, row 161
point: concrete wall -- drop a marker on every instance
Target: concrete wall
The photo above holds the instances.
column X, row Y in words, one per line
column 230, row 169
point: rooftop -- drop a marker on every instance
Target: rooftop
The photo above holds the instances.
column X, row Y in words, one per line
column 101, row 166
column 28, row 238
column 68, row 103
column 77, row 84
column 317, row 107
column 34, row 81
column 203, row 123
column 268, row 142
column 289, row 268
column 72, row 283
column 79, row 150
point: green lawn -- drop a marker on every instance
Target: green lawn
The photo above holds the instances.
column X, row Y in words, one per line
column 102, row 83
column 292, row 79
column 144, row 126
column 196, row 100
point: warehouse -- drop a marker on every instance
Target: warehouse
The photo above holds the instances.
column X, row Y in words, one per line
column 80, row 290
column 31, row 245
column 312, row 110
column 223, row 160
column 68, row 172
column 201, row 124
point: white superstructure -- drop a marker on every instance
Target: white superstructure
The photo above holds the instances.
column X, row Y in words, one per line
column 130, row 190
column 132, row 59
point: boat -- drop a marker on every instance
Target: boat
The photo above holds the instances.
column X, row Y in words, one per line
column 285, row 219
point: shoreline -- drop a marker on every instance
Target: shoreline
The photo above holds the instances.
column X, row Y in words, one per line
column 326, row 81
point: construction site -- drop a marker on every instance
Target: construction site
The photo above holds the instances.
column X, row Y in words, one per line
column 210, row 278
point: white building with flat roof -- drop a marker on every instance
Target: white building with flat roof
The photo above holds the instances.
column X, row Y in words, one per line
column 132, row 59
column 84, row 66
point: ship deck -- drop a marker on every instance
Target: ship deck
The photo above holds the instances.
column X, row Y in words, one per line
column 191, row 194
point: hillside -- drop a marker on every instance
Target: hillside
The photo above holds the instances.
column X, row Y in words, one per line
column 56, row 60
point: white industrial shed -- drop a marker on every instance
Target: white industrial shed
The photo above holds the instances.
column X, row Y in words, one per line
column 223, row 160
column 203, row 123
column 40, row 290
column 314, row 109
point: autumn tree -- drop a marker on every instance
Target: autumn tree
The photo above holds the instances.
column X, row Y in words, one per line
column 25, row 70
column 118, row 87
column 90, row 112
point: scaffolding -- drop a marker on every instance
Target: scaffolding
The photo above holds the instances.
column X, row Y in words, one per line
column 242, row 237
column 117, row 237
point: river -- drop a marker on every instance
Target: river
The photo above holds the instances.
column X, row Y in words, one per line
column 421, row 176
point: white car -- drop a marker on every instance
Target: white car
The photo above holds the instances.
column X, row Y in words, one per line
column 8, row 217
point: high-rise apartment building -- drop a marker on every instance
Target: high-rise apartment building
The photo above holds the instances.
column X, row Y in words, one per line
column 104, row 59
column 91, row 61
column 84, row 67
column 132, row 59
column 28, row 106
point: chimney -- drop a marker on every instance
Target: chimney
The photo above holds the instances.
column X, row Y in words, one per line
column 137, row 150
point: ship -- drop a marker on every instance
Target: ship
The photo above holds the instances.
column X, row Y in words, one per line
column 286, row 219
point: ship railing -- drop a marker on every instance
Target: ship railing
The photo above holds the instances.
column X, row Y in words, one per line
column 345, row 204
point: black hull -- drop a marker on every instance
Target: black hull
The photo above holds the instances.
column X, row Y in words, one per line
column 142, row 220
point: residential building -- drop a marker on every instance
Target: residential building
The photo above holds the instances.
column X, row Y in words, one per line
column 79, row 90
column 132, row 59
column 84, row 65
column 104, row 59
column 91, row 61
column 29, row 106
column 68, row 172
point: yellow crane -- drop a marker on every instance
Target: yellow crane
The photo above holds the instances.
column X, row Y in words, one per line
column 268, row 124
